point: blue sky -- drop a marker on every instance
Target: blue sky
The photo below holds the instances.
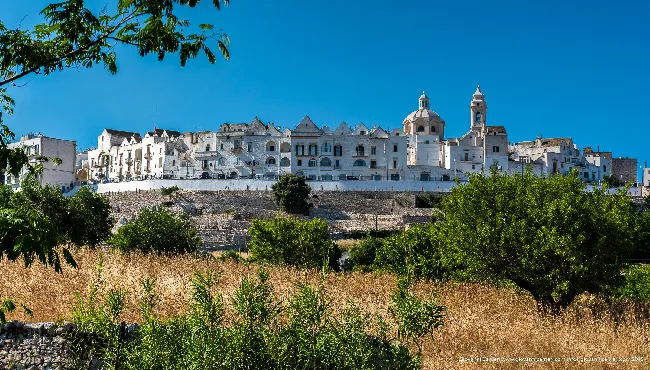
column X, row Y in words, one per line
column 556, row 68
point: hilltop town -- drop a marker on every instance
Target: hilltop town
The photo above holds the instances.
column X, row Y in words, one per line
column 419, row 151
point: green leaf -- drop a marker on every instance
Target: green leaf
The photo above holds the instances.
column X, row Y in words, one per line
column 69, row 258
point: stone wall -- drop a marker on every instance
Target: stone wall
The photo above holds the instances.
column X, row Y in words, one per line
column 222, row 218
column 34, row 346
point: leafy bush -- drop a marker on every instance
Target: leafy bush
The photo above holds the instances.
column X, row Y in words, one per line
column 262, row 334
column 159, row 231
column 168, row 192
column 291, row 194
column 363, row 254
column 291, row 241
column 427, row 200
column 420, row 249
column 636, row 284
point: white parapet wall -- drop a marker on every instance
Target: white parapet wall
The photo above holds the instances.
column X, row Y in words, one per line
column 265, row 185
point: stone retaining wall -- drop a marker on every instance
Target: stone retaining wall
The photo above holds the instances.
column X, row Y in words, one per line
column 34, row 346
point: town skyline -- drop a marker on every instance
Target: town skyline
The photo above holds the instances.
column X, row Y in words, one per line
column 555, row 69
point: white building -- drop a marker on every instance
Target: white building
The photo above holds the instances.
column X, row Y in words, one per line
column 646, row 176
column 35, row 146
column 561, row 156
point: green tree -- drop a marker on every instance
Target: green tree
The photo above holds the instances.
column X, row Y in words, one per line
column 90, row 221
column 75, row 37
column 158, row 231
column 293, row 242
column 546, row 235
column 292, row 193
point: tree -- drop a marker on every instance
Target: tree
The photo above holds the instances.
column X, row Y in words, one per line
column 292, row 193
column 546, row 235
column 158, row 231
column 75, row 37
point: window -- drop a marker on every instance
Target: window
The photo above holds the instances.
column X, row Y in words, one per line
column 326, row 162
column 300, row 150
column 313, row 149
column 394, row 148
column 173, row 162
column 271, row 148
column 312, row 162
column 373, row 164
column 300, row 162
column 373, row 150
column 478, row 117
column 495, row 149
column 222, row 161
column 338, row 150
column 285, row 161
column 337, row 164
column 394, row 163
column 362, row 132
column 466, row 156
column 236, row 144
column 249, row 147
column 326, row 148
column 207, row 148
column 433, row 128
column 604, row 168
column 270, row 160
column 360, row 151
column 160, row 162
column 426, row 142
column 221, row 146
column 420, row 128
column 359, row 163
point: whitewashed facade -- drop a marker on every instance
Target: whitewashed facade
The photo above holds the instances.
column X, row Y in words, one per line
column 417, row 151
column 35, row 146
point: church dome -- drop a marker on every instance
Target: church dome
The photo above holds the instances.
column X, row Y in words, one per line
column 424, row 121
column 427, row 114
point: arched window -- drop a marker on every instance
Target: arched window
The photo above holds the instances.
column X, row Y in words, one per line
column 285, row 162
column 270, row 160
column 433, row 128
column 326, row 162
column 420, row 128
column 478, row 117
column 271, row 146
column 300, row 173
column 359, row 163
column 312, row 162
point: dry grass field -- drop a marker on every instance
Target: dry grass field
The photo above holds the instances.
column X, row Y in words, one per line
column 483, row 322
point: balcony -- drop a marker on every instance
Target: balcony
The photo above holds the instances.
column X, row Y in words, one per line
column 237, row 150
column 207, row 154
column 147, row 156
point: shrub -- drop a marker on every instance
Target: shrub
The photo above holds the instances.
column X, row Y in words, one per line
column 168, row 192
column 262, row 333
column 89, row 218
column 427, row 200
column 292, row 241
column 419, row 248
column 636, row 284
column 291, row 194
column 363, row 254
column 158, row 231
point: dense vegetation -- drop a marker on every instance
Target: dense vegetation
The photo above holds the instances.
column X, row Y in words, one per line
column 37, row 218
column 292, row 241
column 291, row 194
column 264, row 333
column 159, row 231
column 545, row 235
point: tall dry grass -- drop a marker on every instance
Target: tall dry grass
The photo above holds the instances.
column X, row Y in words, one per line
column 482, row 321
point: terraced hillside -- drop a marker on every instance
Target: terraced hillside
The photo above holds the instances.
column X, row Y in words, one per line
column 222, row 218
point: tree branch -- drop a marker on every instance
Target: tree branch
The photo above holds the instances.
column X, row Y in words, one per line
column 72, row 53
column 122, row 41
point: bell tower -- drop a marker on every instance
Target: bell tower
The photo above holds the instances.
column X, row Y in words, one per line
column 478, row 110
column 424, row 101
